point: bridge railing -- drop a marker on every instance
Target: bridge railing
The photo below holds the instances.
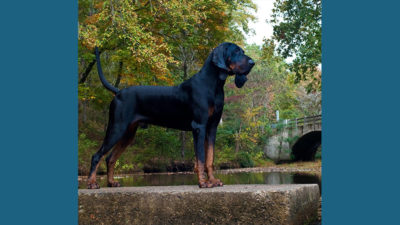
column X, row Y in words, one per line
column 297, row 122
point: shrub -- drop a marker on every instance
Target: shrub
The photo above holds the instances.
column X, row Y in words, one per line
column 85, row 147
column 244, row 159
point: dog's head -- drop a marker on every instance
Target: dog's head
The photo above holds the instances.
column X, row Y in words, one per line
column 230, row 59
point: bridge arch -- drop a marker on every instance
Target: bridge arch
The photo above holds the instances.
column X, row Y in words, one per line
column 306, row 146
column 285, row 145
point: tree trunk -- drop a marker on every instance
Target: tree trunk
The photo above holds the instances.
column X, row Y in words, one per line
column 183, row 144
column 85, row 74
column 185, row 68
column 119, row 75
column 237, row 146
column 237, row 143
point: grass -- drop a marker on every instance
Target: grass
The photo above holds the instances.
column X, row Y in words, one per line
column 315, row 165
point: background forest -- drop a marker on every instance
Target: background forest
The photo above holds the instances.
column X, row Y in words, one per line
column 148, row 42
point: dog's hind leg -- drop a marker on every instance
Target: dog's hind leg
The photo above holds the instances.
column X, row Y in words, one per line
column 110, row 140
column 116, row 153
column 116, row 129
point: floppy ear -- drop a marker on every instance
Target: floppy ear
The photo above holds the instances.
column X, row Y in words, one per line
column 219, row 60
column 223, row 75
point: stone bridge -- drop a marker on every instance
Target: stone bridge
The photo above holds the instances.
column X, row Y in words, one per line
column 296, row 139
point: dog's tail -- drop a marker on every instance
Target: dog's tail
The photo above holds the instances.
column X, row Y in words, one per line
column 105, row 83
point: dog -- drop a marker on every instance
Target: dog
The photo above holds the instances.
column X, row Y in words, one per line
column 195, row 105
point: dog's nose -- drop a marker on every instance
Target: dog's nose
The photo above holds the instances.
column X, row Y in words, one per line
column 251, row 62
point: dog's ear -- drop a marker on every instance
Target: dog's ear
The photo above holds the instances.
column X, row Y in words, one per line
column 219, row 60
column 223, row 75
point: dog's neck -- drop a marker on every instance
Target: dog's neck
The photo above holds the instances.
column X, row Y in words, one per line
column 208, row 73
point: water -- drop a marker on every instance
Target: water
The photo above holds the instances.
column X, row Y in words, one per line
column 231, row 178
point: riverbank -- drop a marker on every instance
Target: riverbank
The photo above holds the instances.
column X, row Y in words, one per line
column 313, row 167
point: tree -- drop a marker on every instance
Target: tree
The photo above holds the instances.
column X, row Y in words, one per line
column 297, row 29
column 251, row 108
column 115, row 27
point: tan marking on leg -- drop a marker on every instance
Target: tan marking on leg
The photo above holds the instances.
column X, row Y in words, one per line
column 200, row 175
column 195, row 166
column 117, row 152
column 209, row 161
column 203, row 183
column 209, row 165
column 92, row 179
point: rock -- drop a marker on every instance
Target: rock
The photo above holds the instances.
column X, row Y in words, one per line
column 277, row 148
column 231, row 204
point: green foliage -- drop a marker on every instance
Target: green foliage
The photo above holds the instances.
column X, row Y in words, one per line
column 297, row 29
column 260, row 160
column 85, row 145
column 116, row 26
column 318, row 154
column 227, row 158
column 245, row 159
column 225, row 155
column 165, row 144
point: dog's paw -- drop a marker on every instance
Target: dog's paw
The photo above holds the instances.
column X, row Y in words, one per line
column 93, row 185
column 114, row 184
column 216, row 182
column 205, row 184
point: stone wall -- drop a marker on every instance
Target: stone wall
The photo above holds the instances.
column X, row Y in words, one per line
column 231, row 204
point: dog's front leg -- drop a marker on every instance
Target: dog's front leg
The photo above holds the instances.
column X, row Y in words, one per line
column 209, row 150
column 199, row 135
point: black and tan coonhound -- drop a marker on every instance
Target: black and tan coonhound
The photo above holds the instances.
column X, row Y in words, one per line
column 195, row 105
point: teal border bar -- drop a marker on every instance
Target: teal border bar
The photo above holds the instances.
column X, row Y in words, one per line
column 360, row 112
column 38, row 112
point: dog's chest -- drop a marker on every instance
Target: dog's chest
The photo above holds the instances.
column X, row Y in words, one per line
column 215, row 102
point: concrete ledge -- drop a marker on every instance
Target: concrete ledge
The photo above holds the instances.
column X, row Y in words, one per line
column 294, row 204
